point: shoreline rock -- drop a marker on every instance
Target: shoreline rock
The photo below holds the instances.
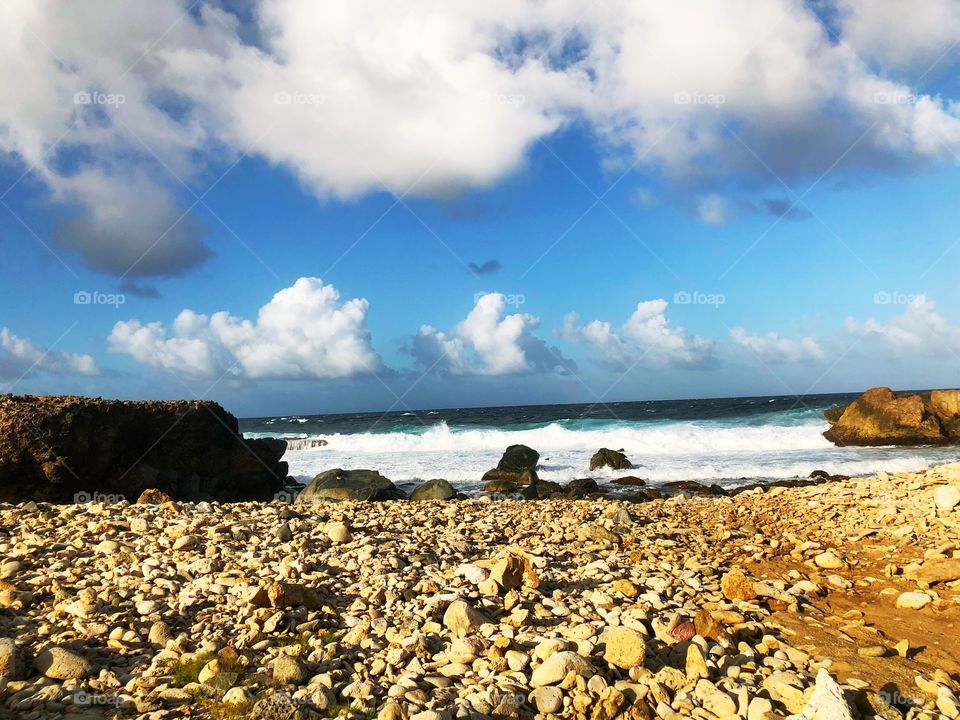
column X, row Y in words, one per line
column 882, row 417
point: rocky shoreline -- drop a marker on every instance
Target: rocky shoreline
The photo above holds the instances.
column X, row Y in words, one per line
column 835, row 600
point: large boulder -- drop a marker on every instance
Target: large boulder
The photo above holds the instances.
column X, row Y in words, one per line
column 518, row 465
column 340, row 484
column 882, row 417
column 605, row 457
column 72, row 449
column 433, row 490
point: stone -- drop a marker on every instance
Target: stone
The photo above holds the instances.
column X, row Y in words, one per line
column 714, row 699
column 159, row 634
column 391, row 711
column 459, row 616
column 286, row 595
column 625, row 648
column 186, row 542
column 9, row 660
column 556, row 667
column 152, row 496
column 237, row 696
column 284, row 533
column 117, row 449
column 947, row 497
column 827, row 701
column 758, row 708
column 696, row 665
column 289, row 670
column 340, row 484
column 936, row 570
column 508, row 572
column 548, row 699
column 434, row 490
column 880, row 417
column 338, row 532
column 913, row 600
column 604, row 457
column 828, row 560
column 625, row 588
column 735, row 585
column 59, row 663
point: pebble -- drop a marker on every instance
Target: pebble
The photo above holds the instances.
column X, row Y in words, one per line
column 556, row 667
column 913, row 600
column 947, row 497
column 60, row 663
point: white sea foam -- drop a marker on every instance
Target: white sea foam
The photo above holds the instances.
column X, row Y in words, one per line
column 706, row 451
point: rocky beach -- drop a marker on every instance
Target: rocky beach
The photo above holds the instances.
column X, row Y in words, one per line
column 829, row 599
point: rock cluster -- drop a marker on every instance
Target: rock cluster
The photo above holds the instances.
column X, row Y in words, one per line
column 881, row 417
column 835, row 600
column 67, row 449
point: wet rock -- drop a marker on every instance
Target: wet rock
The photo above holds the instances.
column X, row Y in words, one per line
column 433, row 490
column 340, row 484
column 605, row 457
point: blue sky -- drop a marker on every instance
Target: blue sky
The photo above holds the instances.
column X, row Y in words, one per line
column 349, row 218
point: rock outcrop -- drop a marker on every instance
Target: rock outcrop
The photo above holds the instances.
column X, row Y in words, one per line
column 882, row 417
column 517, row 465
column 605, row 457
column 340, row 484
column 73, row 449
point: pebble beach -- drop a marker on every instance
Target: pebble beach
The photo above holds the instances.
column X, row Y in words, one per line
column 831, row 601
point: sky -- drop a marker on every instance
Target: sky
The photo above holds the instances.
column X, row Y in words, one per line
column 298, row 207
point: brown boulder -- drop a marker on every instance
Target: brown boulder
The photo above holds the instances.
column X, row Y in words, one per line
column 62, row 448
column 880, row 417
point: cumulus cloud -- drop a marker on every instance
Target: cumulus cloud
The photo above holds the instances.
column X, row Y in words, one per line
column 304, row 332
column 645, row 338
column 772, row 348
column 488, row 341
column 21, row 356
column 115, row 111
column 918, row 330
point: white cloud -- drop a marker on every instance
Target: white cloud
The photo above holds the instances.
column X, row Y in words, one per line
column 645, row 338
column 431, row 97
column 303, row 332
column 488, row 342
column 21, row 356
column 903, row 37
column 712, row 209
column 918, row 330
column 772, row 348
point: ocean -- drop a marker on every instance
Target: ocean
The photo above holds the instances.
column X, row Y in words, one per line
column 728, row 441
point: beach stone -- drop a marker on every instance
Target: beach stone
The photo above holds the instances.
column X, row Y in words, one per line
column 556, row 667
column 338, row 484
column 947, row 497
column 185, row 542
column 461, row 616
column 696, row 665
column 714, row 699
column 605, row 457
column 912, row 600
column 508, row 572
column 548, row 699
column 518, row 459
column 937, row 570
column 284, row 533
column 286, row 595
column 625, row 647
column 735, row 585
column 828, row 561
column 107, row 547
column 626, row 588
column 59, row 663
column 289, row 670
column 152, row 496
column 236, row 696
column 338, row 532
column 758, row 708
column 433, row 490
column 827, row 701
column 159, row 634
column 391, row 711
column 9, row 660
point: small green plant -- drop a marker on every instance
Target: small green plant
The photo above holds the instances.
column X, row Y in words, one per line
column 188, row 671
